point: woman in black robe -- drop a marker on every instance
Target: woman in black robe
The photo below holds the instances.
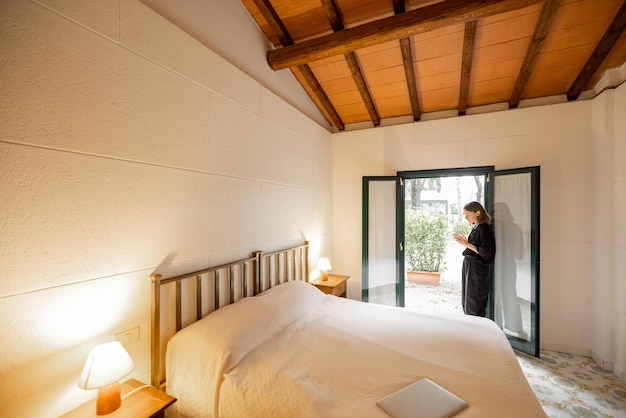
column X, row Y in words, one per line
column 479, row 253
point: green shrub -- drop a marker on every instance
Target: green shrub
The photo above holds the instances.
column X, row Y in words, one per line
column 462, row 228
column 426, row 237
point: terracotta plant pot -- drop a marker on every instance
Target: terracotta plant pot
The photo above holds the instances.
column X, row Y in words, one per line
column 424, row 277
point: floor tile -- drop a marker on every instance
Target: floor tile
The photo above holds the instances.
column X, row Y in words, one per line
column 574, row 386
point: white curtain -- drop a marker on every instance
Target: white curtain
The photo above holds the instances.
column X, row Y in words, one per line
column 382, row 241
column 512, row 274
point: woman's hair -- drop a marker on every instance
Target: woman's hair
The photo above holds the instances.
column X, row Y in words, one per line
column 483, row 217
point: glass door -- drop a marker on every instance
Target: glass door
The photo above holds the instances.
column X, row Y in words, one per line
column 516, row 268
column 381, row 279
column 510, row 196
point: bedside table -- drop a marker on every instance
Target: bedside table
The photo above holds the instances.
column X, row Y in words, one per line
column 335, row 285
column 146, row 402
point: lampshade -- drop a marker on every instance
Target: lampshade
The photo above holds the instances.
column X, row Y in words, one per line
column 323, row 264
column 106, row 364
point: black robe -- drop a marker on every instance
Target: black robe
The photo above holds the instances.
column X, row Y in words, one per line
column 475, row 272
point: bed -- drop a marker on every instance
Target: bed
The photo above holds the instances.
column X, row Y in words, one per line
column 266, row 343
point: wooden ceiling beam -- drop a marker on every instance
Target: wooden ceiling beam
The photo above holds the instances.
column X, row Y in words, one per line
column 546, row 17
column 334, row 17
column 469, row 39
column 611, row 36
column 315, row 86
column 333, row 14
column 359, row 79
column 407, row 61
column 409, row 73
column 391, row 28
column 272, row 18
column 398, row 6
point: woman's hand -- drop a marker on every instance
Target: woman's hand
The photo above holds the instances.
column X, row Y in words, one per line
column 461, row 239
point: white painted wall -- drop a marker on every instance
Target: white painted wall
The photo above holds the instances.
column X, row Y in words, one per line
column 618, row 236
column 226, row 28
column 601, row 253
column 579, row 309
column 127, row 147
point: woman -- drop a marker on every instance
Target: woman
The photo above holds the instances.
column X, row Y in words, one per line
column 478, row 256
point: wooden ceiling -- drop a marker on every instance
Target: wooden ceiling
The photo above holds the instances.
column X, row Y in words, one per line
column 361, row 61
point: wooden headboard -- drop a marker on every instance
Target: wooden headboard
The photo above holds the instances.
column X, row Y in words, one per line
column 184, row 299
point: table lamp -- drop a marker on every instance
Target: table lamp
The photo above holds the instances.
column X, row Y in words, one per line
column 323, row 265
column 106, row 364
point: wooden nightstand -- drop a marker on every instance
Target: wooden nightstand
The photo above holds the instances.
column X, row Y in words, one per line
column 146, row 402
column 335, row 285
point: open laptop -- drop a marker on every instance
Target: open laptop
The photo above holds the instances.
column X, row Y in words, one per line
column 422, row 399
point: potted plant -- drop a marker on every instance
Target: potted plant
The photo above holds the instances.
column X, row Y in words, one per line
column 425, row 247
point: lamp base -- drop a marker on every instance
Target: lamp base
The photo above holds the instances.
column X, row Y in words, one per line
column 109, row 399
column 324, row 276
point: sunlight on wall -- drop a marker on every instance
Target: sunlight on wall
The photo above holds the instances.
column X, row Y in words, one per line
column 82, row 314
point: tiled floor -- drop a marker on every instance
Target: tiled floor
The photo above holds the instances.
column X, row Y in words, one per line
column 574, row 386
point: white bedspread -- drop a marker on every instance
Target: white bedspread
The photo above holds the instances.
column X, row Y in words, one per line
column 295, row 352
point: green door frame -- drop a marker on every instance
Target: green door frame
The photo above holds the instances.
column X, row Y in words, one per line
column 399, row 280
column 531, row 347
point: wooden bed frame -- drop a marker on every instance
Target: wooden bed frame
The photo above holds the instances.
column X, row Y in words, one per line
column 184, row 299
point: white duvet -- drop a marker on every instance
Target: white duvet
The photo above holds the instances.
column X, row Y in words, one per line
column 295, row 352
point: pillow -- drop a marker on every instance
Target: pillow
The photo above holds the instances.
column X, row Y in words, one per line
column 294, row 299
column 198, row 356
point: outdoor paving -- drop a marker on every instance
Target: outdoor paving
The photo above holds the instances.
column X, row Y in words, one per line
column 443, row 298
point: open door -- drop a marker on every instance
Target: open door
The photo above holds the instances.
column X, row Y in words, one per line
column 382, row 281
column 515, row 213
column 511, row 197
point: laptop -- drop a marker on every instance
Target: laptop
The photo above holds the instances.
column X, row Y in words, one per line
column 422, row 399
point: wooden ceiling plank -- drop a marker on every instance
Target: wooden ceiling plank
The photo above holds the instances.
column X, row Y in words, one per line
column 373, row 60
column 393, row 107
column 542, row 28
column 334, row 17
column 385, row 77
column 610, row 38
column 469, row 40
column 519, row 24
column 391, row 28
column 397, row 89
column 439, row 65
column 439, row 81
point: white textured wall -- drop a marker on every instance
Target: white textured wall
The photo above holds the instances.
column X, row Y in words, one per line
column 618, row 246
column 559, row 139
column 601, row 252
column 128, row 147
column 212, row 22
